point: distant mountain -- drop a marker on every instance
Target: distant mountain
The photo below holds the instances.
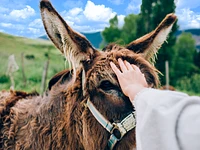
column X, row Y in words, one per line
column 95, row 38
column 192, row 31
column 44, row 37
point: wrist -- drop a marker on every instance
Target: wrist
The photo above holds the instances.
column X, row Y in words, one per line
column 132, row 90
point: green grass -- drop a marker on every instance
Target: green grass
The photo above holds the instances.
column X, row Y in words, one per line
column 33, row 67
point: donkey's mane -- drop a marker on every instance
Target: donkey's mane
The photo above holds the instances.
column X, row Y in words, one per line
column 112, row 46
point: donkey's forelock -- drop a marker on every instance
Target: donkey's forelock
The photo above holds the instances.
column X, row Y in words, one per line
column 100, row 70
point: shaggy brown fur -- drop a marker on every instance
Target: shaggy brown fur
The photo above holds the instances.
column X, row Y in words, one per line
column 60, row 120
column 171, row 88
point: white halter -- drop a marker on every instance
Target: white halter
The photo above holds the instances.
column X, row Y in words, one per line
column 127, row 124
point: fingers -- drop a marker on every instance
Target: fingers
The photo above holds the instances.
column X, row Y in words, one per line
column 115, row 69
column 128, row 65
column 122, row 65
column 136, row 68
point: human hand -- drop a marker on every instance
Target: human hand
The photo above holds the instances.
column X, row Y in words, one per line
column 130, row 78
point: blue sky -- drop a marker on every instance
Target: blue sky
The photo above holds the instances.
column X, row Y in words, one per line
column 22, row 17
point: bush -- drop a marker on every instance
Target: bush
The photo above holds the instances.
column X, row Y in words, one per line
column 191, row 84
column 29, row 57
column 4, row 79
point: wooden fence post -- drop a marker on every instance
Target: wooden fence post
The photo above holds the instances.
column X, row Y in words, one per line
column 44, row 76
column 12, row 67
column 167, row 74
column 23, row 72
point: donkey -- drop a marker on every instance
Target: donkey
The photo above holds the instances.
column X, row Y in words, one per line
column 84, row 107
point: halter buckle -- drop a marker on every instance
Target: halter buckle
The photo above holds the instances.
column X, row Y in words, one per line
column 121, row 128
column 118, row 130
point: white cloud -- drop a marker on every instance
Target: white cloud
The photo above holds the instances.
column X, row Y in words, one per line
column 75, row 11
column 36, row 23
column 73, row 16
column 117, row 2
column 88, row 20
column 6, row 25
column 34, row 30
column 22, row 13
column 188, row 19
column 187, row 3
column 13, row 26
column 98, row 12
column 134, row 6
column 120, row 20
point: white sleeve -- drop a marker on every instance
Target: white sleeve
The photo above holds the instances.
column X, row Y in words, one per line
column 167, row 120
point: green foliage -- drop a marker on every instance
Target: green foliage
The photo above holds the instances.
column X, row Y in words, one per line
column 122, row 36
column 135, row 26
column 185, row 47
column 190, row 83
column 112, row 33
column 130, row 27
column 152, row 13
column 183, row 62
column 181, row 54
column 197, row 59
column 4, row 79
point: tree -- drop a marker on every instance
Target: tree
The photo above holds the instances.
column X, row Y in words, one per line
column 152, row 13
column 183, row 62
column 112, row 33
column 145, row 20
column 123, row 35
column 129, row 29
column 197, row 59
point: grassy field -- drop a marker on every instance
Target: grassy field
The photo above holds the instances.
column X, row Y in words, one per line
column 39, row 50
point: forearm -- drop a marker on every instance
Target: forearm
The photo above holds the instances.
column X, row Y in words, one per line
column 157, row 116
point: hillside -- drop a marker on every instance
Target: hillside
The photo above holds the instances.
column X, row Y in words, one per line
column 35, row 53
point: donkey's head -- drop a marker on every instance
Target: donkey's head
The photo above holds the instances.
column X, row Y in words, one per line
column 96, row 83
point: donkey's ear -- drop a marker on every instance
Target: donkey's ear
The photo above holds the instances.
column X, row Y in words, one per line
column 150, row 43
column 74, row 46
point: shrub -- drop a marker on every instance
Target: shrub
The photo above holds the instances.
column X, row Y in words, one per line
column 4, row 79
column 190, row 84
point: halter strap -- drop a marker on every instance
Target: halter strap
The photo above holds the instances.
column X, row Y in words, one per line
column 127, row 124
column 100, row 118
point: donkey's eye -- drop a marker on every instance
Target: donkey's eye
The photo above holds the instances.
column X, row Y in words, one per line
column 106, row 85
